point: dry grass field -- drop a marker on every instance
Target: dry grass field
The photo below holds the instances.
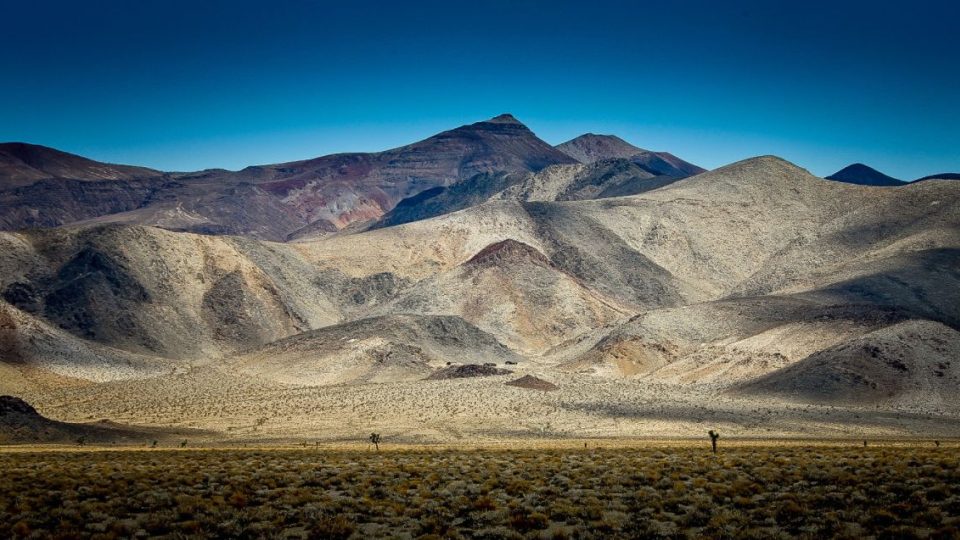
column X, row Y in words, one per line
column 608, row 490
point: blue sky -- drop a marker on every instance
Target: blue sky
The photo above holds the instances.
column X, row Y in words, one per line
column 178, row 86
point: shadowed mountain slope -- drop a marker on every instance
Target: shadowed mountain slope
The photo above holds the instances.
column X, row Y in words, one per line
column 20, row 423
column 150, row 291
column 443, row 200
column 908, row 364
column 598, row 180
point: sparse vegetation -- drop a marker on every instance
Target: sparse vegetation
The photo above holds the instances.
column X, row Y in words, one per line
column 814, row 492
column 375, row 440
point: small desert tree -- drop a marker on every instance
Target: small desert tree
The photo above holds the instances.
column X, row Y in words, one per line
column 81, row 440
column 375, row 439
column 183, row 443
column 713, row 439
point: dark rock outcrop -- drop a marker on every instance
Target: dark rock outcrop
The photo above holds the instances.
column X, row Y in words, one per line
column 466, row 371
column 533, row 383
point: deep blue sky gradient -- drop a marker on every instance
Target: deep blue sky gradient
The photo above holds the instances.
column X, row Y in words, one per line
column 179, row 86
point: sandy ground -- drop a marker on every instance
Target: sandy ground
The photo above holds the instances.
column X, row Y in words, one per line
column 470, row 411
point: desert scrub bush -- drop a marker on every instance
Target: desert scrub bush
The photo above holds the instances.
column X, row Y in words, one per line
column 603, row 493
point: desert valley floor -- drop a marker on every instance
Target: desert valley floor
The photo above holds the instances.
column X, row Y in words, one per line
column 225, row 408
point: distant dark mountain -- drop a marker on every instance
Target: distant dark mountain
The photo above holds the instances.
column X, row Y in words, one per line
column 590, row 148
column 42, row 187
column 860, row 174
column 22, row 164
column 941, row 176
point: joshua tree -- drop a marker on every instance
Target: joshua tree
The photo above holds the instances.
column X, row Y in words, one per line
column 713, row 439
column 183, row 443
column 937, row 443
column 375, row 439
column 81, row 440
column 864, row 443
column 154, row 444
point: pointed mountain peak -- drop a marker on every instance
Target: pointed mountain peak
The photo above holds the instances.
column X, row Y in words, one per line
column 505, row 118
column 504, row 123
column 860, row 174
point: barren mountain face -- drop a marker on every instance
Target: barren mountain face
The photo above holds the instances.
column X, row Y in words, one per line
column 755, row 297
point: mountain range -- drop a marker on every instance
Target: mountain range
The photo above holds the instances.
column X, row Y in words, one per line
column 43, row 187
column 323, row 297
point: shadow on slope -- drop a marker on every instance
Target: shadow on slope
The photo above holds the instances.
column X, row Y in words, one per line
column 20, row 423
column 914, row 364
column 383, row 349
